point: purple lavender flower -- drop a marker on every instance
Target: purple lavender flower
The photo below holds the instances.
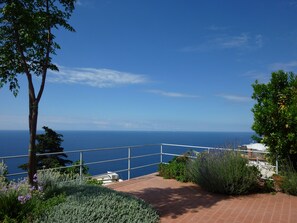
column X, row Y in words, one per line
column 23, row 199
column 35, row 178
column 40, row 188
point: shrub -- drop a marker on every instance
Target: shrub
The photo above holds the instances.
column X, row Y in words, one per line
column 223, row 172
column 17, row 199
column 53, row 180
column 86, row 203
column 289, row 181
column 175, row 169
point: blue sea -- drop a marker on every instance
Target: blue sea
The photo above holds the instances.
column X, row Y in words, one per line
column 16, row 143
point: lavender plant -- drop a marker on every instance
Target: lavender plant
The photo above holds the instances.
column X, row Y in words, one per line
column 15, row 197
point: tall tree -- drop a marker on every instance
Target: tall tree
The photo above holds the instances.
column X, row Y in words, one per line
column 26, row 45
column 275, row 115
column 49, row 142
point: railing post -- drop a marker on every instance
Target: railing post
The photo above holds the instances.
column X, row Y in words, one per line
column 129, row 162
column 161, row 153
column 208, row 150
column 80, row 166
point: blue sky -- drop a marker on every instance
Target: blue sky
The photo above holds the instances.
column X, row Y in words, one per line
column 177, row 65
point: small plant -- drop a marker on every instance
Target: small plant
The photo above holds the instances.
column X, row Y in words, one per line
column 175, row 169
column 52, row 180
column 289, row 181
column 17, row 199
column 223, row 172
column 91, row 181
column 86, row 203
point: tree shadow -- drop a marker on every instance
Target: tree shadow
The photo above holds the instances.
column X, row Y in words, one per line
column 173, row 202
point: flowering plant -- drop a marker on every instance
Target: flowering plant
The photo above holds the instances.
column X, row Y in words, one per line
column 15, row 196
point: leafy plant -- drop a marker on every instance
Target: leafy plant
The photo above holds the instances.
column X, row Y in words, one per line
column 275, row 116
column 17, row 199
column 223, row 172
column 49, row 142
column 289, row 181
column 175, row 169
column 98, row 204
column 27, row 34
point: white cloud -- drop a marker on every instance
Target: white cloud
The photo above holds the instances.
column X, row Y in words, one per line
column 101, row 78
column 256, row 75
column 223, row 42
column 232, row 41
column 235, row 98
column 172, row 94
column 288, row 66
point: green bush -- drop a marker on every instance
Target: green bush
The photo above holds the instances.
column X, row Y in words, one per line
column 53, row 180
column 175, row 169
column 86, row 203
column 289, row 182
column 223, row 172
column 17, row 199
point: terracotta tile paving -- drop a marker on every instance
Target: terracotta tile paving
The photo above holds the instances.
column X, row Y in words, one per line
column 186, row 202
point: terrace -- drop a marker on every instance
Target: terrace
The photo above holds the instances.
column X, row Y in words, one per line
column 187, row 202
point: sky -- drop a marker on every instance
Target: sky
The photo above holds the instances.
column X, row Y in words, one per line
column 161, row 65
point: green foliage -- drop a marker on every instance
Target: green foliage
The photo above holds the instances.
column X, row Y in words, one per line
column 91, row 181
column 289, row 182
column 75, row 169
column 17, row 199
column 275, row 115
column 27, row 44
column 26, row 40
column 175, row 169
column 98, row 204
column 53, row 181
column 223, row 172
column 49, row 142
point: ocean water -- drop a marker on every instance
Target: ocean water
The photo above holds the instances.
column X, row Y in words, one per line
column 16, row 143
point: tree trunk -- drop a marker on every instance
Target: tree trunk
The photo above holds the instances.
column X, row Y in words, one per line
column 33, row 115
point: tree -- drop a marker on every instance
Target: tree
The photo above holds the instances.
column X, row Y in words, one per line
column 275, row 115
column 26, row 45
column 49, row 142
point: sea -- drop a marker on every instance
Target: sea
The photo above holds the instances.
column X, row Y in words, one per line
column 16, row 143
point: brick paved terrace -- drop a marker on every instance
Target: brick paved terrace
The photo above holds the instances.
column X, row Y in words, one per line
column 187, row 202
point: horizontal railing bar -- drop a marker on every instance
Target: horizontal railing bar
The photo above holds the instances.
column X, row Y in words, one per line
column 15, row 174
column 171, row 154
column 12, row 157
column 100, row 149
column 188, row 146
column 141, row 156
column 138, row 167
column 105, row 161
column 213, row 148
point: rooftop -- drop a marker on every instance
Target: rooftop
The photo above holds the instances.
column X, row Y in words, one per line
column 187, row 202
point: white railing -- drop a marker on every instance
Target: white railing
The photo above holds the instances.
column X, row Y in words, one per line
column 129, row 157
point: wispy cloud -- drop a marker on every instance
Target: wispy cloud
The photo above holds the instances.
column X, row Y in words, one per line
column 223, row 42
column 287, row 66
column 101, row 78
column 256, row 75
column 235, row 98
column 172, row 94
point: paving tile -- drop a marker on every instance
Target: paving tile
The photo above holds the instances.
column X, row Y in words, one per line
column 186, row 202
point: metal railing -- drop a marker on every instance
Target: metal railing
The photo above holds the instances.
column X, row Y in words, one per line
column 129, row 157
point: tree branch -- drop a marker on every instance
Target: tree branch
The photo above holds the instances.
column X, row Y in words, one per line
column 46, row 62
column 23, row 59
